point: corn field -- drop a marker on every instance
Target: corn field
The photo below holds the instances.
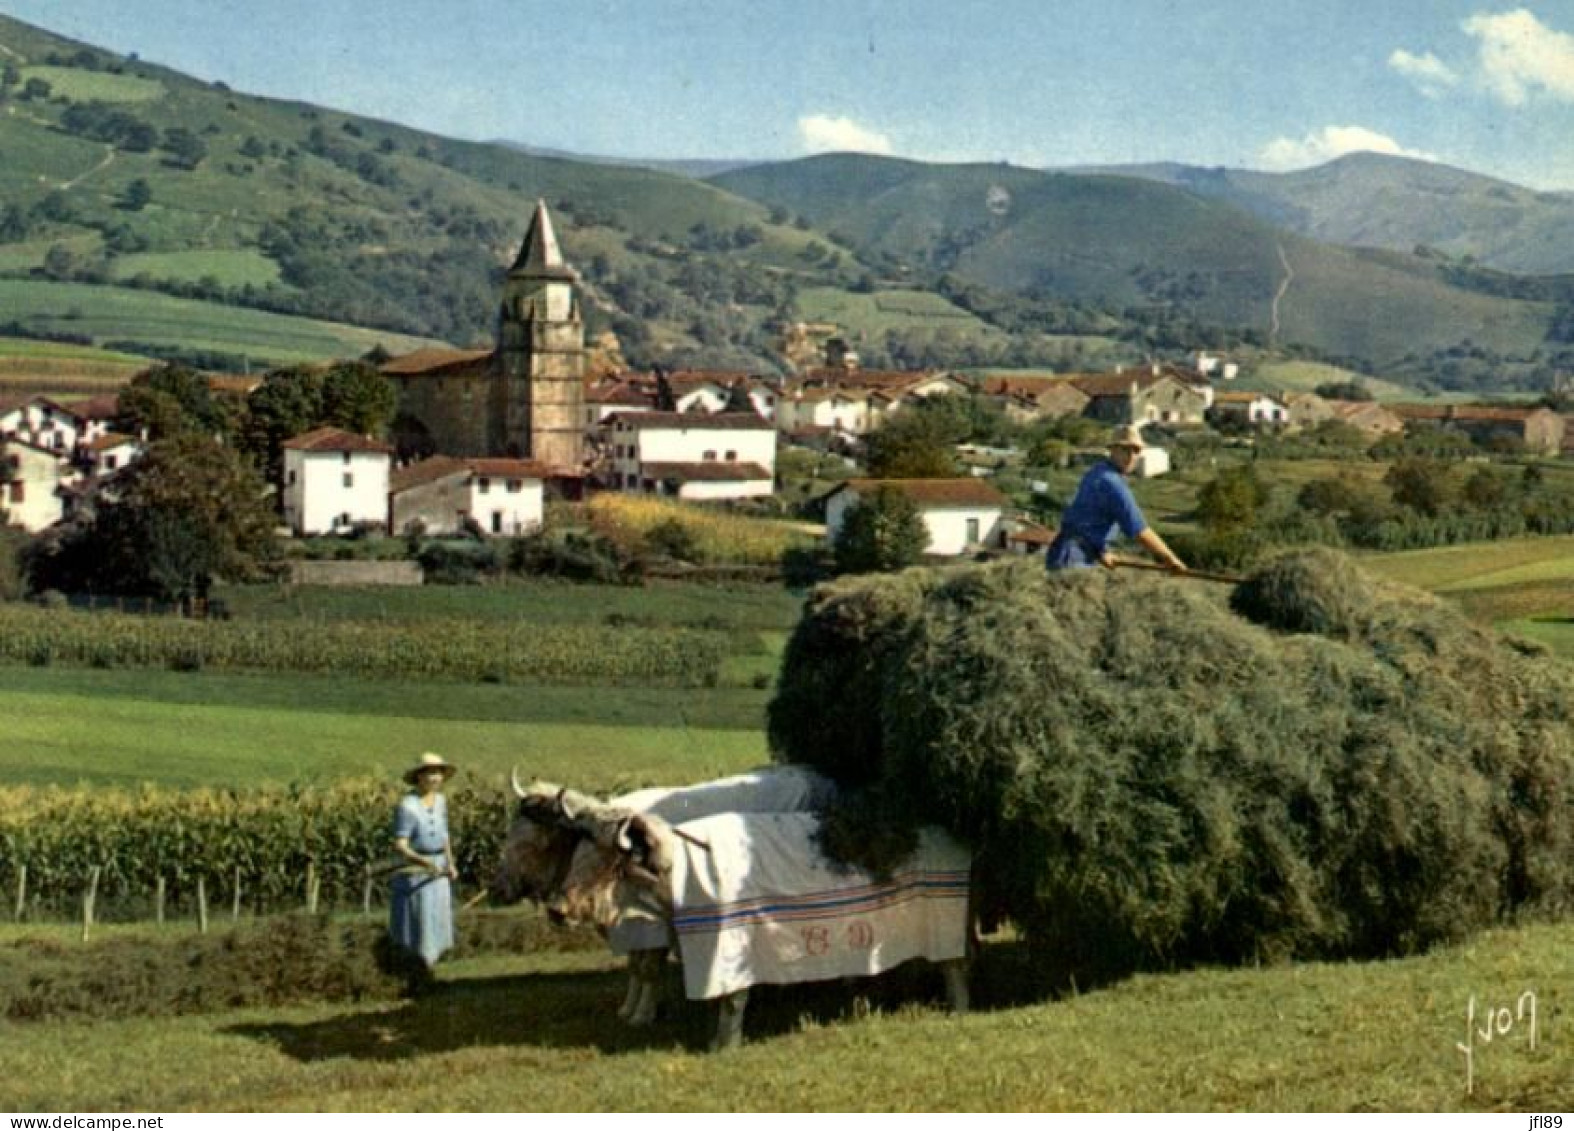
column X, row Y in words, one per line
column 719, row 537
column 453, row 649
column 266, row 842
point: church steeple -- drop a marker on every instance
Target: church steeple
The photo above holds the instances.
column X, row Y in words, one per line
column 539, row 256
column 541, row 351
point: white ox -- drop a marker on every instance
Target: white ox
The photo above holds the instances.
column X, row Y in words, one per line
column 747, row 895
column 552, row 835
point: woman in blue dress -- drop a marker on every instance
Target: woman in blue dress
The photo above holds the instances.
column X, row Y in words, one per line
column 421, row 916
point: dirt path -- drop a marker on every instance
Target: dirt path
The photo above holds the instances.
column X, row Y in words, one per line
column 109, row 157
column 1284, row 285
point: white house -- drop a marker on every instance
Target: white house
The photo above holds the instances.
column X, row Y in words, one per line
column 504, row 496
column 960, row 514
column 666, row 453
column 1254, row 408
column 842, row 410
column 110, row 452
column 41, row 422
column 30, row 496
column 333, row 480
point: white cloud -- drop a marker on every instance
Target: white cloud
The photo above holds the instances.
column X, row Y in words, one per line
column 1521, row 56
column 1329, row 142
column 1427, row 71
column 821, row 133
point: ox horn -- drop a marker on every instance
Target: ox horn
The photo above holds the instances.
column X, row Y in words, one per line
column 513, row 778
column 564, row 806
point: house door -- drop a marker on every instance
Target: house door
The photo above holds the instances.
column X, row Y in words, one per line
column 972, row 532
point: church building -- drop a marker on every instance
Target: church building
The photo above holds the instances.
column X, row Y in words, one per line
column 522, row 400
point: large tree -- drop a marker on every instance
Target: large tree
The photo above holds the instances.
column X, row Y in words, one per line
column 191, row 510
column 358, row 398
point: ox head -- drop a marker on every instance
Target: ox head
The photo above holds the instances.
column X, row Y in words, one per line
column 619, row 868
column 539, row 848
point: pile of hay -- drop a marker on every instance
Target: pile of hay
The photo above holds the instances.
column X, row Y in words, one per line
column 1155, row 772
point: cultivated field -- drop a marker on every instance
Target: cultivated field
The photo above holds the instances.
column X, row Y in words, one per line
column 535, row 1031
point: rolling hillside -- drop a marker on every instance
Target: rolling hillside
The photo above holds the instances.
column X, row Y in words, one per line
column 118, row 170
column 1376, row 200
column 1128, row 242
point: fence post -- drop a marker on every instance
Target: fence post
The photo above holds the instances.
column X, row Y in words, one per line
column 21, row 891
column 158, row 900
column 88, row 900
column 366, row 892
column 311, row 887
column 202, row 905
column 235, row 907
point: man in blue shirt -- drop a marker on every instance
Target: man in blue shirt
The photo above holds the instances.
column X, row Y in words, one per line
column 1104, row 506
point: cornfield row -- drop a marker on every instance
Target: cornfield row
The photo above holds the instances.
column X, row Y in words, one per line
column 268, row 841
column 451, row 649
column 719, row 537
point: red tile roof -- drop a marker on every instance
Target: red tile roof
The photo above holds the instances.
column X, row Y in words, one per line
column 110, row 440
column 428, row 470
column 510, row 468
column 104, row 406
column 721, row 421
column 960, row 492
column 334, row 440
column 711, row 471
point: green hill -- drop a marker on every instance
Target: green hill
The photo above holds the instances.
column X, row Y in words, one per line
column 113, row 169
column 1135, row 244
column 1399, row 203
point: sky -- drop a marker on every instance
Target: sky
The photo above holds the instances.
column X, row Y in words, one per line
column 1261, row 84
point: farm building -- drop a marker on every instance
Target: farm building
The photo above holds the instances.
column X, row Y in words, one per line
column 502, row 496
column 961, row 515
column 335, row 480
column 666, row 453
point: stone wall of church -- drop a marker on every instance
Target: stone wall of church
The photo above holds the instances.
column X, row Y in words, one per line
column 455, row 406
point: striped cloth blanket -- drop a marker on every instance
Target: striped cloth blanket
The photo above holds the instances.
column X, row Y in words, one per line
column 773, row 789
column 763, row 906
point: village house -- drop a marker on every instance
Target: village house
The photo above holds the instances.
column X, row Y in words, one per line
column 97, row 415
column 42, row 422
column 1307, row 410
column 109, row 452
column 1368, row 416
column 1028, row 398
column 1143, row 396
column 727, row 455
column 961, row 515
column 439, row 495
column 1538, row 428
column 335, row 481
column 851, row 412
column 1256, row 409
column 31, row 493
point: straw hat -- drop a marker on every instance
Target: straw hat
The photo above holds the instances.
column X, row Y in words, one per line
column 1127, row 436
column 430, row 762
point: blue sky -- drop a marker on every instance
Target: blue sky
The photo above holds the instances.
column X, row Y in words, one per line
column 1268, row 85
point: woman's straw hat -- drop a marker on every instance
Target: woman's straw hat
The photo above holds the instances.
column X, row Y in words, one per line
column 430, row 762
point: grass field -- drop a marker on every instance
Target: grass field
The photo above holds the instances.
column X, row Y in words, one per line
column 875, row 314
column 230, row 268
column 536, row 1033
column 110, row 314
column 95, row 86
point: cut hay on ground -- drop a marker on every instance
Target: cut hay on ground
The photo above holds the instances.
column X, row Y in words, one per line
column 1332, row 767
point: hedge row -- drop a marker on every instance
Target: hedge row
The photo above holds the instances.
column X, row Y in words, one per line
column 465, row 650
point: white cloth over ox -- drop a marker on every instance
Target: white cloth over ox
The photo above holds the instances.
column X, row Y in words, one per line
column 764, row 906
column 774, row 789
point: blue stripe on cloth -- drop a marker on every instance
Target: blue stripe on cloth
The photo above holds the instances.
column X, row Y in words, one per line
column 833, row 904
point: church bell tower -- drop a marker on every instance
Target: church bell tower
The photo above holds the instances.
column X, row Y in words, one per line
column 541, row 348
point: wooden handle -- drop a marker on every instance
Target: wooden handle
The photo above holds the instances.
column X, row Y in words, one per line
column 1199, row 574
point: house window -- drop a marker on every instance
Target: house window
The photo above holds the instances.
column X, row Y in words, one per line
column 483, row 485
column 972, row 531
column 732, row 457
column 515, row 486
column 292, row 479
column 497, row 522
column 709, row 456
column 18, row 492
column 349, row 479
column 346, row 459
column 110, row 462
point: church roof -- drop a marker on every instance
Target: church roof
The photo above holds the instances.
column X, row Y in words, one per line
column 539, row 256
column 430, row 360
